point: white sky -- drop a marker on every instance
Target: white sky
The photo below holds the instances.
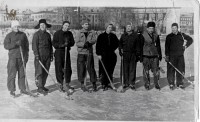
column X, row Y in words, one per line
column 20, row 4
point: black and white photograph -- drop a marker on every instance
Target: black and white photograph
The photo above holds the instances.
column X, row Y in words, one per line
column 99, row 60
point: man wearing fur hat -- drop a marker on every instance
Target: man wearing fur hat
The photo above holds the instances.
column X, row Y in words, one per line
column 107, row 43
column 175, row 45
column 61, row 39
column 129, row 48
column 150, row 55
column 13, row 41
column 85, row 39
column 43, row 51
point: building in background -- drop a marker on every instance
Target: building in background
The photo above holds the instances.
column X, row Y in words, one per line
column 48, row 15
column 186, row 23
column 99, row 16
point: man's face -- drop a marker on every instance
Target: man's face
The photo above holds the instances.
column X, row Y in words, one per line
column 109, row 28
column 85, row 26
column 15, row 28
column 174, row 29
column 65, row 26
column 42, row 26
column 128, row 28
column 150, row 30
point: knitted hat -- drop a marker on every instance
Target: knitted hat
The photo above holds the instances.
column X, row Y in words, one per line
column 14, row 23
column 43, row 21
column 175, row 24
column 107, row 24
column 84, row 21
column 66, row 22
column 128, row 23
column 151, row 24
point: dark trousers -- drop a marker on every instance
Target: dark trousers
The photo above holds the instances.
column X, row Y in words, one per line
column 109, row 60
column 15, row 65
column 100, row 69
column 40, row 73
column 151, row 63
column 130, row 64
column 86, row 63
column 62, row 73
column 179, row 63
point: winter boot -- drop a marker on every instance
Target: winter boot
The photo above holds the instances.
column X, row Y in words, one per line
column 132, row 87
column 171, row 87
column 94, row 86
column 84, row 88
column 71, row 87
column 61, row 88
column 24, row 92
column 45, row 89
column 157, row 86
column 12, row 94
column 125, row 86
column 147, row 86
column 181, row 86
column 41, row 91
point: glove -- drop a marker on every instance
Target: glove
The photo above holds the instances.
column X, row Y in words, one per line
column 160, row 58
column 37, row 58
column 137, row 58
column 64, row 45
column 121, row 52
column 141, row 59
column 51, row 59
column 18, row 43
column 167, row 58
column 26, row 58
column 87, row 45
column 99, row 57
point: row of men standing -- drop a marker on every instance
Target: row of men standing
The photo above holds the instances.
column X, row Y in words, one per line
column 132, row 46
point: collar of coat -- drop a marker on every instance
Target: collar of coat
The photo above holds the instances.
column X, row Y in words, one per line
column 83, row 31
column 126, row 33
column 42, row 31
column 179, row 33
column 154, row 34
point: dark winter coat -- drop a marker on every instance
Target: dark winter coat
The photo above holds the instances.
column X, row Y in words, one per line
column 60, row 37
column 41, row 44
column 129, row 43
column 174, row 44
column 150, row 45
column 106, row 44
column 10, row 44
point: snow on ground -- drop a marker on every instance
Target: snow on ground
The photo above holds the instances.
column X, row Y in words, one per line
column 139, row 105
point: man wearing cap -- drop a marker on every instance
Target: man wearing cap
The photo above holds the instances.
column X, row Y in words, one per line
column 129, row 48
column 85, row 39
column 13, row 41
column 43, row 51
column 61, row 39
column 175, row 45
column 150, row 55
column 107, row 43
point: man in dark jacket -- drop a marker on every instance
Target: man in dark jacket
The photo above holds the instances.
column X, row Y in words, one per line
column 129, row 48
column 107, row 43
column 175, row 45
column 43, row 51
column 150, row 55
column 12, row 42
column 61, row 39
column 85, row 40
